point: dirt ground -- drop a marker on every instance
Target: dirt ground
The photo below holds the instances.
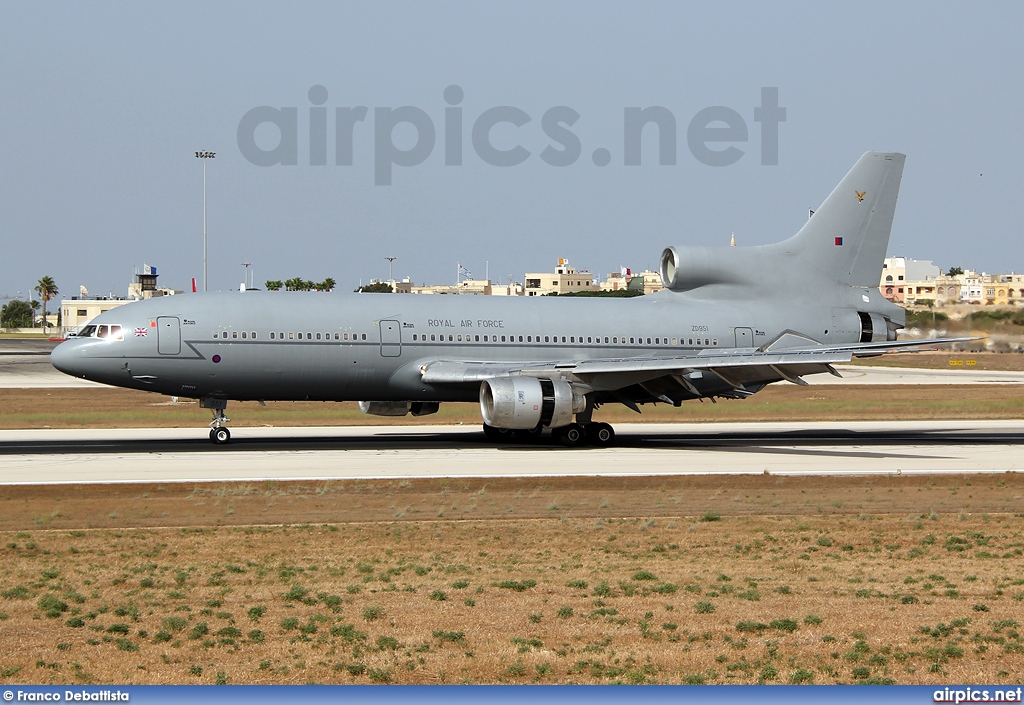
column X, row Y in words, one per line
column 901, row 579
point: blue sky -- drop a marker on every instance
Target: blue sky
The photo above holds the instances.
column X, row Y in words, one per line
column 103, row 106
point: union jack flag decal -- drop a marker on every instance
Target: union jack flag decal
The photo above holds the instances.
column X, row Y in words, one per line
column 141, row 332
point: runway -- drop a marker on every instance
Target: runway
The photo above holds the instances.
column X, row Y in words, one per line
column 371, row 452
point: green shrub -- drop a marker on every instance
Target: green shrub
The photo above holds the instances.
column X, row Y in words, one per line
column 118, row 629
column 577, row 584
column 564, row 612
column 644, row 575
column 199, row 631
column 126, row 645
column 751, row 626
column 256, row 612
column 388, row 642
column 75, row 622
column 704, row 607
column 373, row 612
column 174, row 624
column 52, row 604
column 801, row 675
column 256, row 636
column 438, row 596
column 452, row 637
column 517, row 585
column 784, row 625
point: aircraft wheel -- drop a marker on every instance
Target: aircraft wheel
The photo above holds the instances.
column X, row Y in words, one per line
column 527, row 434
column 572, row 435
column 601, row 434
column 220, row 436
column 212, row 431
column 493, row 433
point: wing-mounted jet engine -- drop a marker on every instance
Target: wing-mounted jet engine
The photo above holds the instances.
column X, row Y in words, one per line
column 529, row 402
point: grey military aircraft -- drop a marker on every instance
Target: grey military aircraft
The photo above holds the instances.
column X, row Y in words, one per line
column 730, row 321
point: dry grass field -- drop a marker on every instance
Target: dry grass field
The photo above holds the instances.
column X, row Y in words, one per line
column 646, row 580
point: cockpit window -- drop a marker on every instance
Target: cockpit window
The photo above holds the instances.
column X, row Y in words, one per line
column 107, row 332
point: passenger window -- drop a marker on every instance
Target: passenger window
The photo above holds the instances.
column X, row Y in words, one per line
column 714, row 341
column 216, row 334
column 244, row 336
column 234, row 334
column 291, row 336
column 503, row 339
column 271, row 336
column 476, row 338
column 589, row 339
column 648, row 341
column 318, row 336
column 572, row 338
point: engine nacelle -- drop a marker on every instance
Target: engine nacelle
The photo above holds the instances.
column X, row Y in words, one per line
column 529, row 402
column 399, row 408
column 693, row 267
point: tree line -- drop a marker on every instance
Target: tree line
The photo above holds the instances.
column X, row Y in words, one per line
column 21, row 314
column 300, row 284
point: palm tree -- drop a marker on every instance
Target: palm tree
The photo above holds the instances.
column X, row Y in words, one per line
column 47, row 289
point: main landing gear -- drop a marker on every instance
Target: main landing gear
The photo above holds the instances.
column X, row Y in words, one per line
column 572, row 436
column 575, row 435
column 219, row 434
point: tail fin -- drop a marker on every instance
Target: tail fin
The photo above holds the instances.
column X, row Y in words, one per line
column 848, row 235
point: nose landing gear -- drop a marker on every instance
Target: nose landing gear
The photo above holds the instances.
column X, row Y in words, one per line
column 219, row 434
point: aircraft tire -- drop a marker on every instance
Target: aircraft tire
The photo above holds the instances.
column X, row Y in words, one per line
column 220, row 436
column 601, row 434
column 493, row 433
column 572, row 436
column 527, row 434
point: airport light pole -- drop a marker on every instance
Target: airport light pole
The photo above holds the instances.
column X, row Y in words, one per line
column 204, row 156
column 245, row 281
column 391, row 270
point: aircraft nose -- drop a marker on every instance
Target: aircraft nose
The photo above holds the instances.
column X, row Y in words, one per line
column 64, row 356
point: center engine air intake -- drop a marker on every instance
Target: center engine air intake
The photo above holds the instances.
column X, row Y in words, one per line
column 528, row 402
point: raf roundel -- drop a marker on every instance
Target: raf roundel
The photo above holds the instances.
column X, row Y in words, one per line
column 216, row 358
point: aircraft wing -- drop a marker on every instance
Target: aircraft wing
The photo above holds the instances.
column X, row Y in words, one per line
column 734, row 367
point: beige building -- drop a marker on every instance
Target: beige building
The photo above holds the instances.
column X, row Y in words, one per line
column 465, row 287
column 564, row 280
